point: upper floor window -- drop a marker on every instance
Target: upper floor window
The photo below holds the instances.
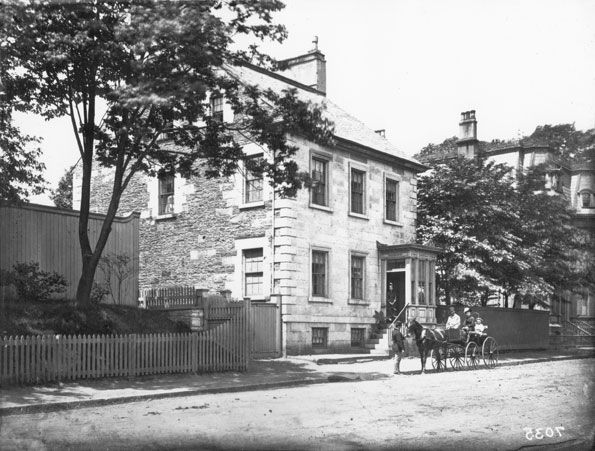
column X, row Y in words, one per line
column 253, row 272
column 166, row 194
column 319, row 273
column 217, row 108
column 319, row 189
column 357, row 191
column 252, row 186
column 391, row 200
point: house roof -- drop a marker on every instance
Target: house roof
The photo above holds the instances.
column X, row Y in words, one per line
column 347, row 126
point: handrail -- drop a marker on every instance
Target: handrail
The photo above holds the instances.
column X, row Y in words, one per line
column 400, row 313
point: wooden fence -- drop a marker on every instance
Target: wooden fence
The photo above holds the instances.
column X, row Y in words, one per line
column 172, row 297
column 39, row 359
column 49, row 236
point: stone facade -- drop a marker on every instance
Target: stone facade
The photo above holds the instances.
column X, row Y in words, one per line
column 206, row 240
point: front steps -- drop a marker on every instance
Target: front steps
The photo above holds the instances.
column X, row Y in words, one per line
column 378, row 343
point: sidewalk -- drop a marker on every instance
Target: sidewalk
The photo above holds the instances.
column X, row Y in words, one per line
column 263, row 374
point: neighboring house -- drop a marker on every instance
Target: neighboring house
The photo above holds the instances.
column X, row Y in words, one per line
column 331, row 252
column 576, row 182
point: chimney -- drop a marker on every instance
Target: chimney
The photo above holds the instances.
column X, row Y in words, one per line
column 468, row 145
column 308, row 69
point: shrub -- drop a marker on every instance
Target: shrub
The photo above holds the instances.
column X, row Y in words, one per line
column 98, row 293
column 32, row 284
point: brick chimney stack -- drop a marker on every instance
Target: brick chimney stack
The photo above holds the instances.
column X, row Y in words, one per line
column 308, row 69
column 468, row 144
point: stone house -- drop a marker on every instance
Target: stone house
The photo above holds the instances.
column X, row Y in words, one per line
column 331, row 252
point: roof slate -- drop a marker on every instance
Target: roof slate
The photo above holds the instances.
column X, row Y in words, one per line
column 346, row 126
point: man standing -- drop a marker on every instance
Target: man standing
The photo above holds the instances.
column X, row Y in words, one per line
column 398, row 346
column 454, row 320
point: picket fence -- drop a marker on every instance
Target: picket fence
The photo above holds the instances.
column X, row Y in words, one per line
column 39, row 359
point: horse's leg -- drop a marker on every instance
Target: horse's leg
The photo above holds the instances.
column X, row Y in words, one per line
column 424, row 356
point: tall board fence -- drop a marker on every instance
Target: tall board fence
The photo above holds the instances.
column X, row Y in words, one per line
column 49, row 236
column 39, row 359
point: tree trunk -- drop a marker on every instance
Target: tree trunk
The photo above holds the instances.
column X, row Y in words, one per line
column 506, row 299
column 85, row 285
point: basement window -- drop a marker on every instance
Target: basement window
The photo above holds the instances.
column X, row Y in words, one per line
column 320, row 337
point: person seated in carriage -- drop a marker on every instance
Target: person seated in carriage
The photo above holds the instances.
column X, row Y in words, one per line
column 468, row 325
column 480, row 327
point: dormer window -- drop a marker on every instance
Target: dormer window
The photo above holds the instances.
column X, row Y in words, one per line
column 166, row 194
column 217, row 108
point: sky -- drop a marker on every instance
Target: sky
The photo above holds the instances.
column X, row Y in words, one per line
column 412, row 66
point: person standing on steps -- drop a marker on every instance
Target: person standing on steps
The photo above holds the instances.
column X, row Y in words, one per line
column 398, row 346
column 391, row 302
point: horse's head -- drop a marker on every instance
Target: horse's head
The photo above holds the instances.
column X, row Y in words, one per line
column 414, row 328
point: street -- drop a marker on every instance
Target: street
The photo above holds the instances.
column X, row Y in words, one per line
column 487, row 409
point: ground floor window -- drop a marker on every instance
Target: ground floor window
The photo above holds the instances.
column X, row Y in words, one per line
column 320, row 337
column 253, row 272
column 357, row 337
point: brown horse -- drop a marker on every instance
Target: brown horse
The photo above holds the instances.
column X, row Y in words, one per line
column 427, row 340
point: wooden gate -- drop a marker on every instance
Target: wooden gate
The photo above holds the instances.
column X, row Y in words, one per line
column 265, row 328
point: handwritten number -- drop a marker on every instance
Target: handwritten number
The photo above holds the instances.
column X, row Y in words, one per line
column 538, row 434
column 549, row 432
column 558, row 429
column 528, row 433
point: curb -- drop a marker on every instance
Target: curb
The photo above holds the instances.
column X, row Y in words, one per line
column 331, row 378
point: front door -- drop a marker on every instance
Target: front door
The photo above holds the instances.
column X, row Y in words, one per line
column 395, row 294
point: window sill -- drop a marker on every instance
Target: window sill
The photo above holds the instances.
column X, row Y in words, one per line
column 394, row 223
column 358, row 215
column 251, row 205
column 358, row 302
column 259, row 298
column 320, row 207
column 319, row 300
column 165, row 217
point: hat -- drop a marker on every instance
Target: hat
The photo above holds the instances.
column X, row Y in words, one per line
column 466, row 309
column 398, row 323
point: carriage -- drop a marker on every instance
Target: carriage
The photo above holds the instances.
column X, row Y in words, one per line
column 467, row 352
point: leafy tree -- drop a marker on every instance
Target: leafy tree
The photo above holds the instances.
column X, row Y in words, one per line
column 20, row 169
column 129, row 72
column 438, row 152
column 569, row 144
column 62, row 195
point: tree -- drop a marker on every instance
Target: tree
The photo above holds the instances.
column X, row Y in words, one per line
column 500, row 233
column 20, row 169
column 129, row 72
column 62, row 195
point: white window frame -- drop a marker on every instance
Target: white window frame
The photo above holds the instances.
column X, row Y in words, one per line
column 244, row 189
column 397, row 178
column 364, row 300
column 245, row 273
column 327, row 295
column 361, row 168
column 328, row 158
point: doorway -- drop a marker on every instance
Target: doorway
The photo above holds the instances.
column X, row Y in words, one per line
column 395, row 294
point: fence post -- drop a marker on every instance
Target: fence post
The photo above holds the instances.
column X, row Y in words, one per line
column 132, row 355
column 248, row 333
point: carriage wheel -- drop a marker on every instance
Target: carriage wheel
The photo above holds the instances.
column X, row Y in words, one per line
column 490, row 352
column 456, row 357
column 438, row 358
column 472, row 355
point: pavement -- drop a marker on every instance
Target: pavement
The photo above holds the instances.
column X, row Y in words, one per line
column 261, row 375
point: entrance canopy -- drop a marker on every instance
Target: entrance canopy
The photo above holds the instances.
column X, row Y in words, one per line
column 418, row 265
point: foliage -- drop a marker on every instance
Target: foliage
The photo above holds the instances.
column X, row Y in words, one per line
column 499, row 233
column 569, row 144
column 129, row 73
column 32, row 284
column 116, row 269
column 62, row 195
column 437, row 152
column 98, row 293
column 20, row 169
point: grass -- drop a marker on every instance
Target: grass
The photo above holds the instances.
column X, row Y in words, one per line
column 66, row 318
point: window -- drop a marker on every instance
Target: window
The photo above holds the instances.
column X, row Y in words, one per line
column 319, row 273
column 319, row 181
column 357, row 191
column 252, row 187
column 217, row 108
column 253, row 272
column 166, row 194
column 357, row 337
column 319, row 337
column 391, row 202
column 357, row 277
column 586, row 199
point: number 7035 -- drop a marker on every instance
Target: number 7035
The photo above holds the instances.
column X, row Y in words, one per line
column 539, row 433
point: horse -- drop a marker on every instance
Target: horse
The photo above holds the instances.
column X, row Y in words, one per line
column 426, row 340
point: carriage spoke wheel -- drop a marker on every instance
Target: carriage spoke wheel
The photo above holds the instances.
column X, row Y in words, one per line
column 490, row 352
column 456, row 357
column 472, row 355
column 438, row 359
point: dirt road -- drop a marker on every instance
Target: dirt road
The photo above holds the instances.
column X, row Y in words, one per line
column 484, row 409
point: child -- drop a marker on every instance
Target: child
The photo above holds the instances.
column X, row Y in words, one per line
column 479, row 326
column 398, row 346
